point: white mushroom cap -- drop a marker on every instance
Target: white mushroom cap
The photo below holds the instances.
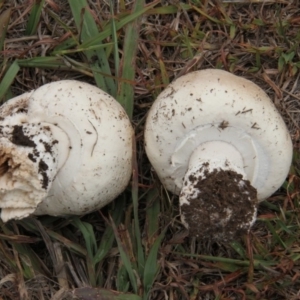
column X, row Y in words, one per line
column 83, row 136
column 209, row 106
column 214, row 105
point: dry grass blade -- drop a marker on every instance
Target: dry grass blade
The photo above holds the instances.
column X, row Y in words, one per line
column 152, row 213
column 55, row 255
column 255, row 1
column 4, row 19
column 21, row 239
column 30, row 262
column 88, row 293
column 76, row 248
column 130, row 257
column 257, row 263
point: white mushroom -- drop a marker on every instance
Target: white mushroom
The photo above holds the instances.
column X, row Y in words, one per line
column 65, row 148
column 217, row 140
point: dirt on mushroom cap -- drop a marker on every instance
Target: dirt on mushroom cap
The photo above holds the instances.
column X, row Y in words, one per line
column 208, row 215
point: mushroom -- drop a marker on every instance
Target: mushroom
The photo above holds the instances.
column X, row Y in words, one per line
column 65, row 148
column 217, row 141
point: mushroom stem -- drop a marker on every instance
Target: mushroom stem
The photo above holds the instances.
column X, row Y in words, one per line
column 216, row 188
column 218, row 154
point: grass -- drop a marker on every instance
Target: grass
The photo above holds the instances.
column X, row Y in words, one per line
column 136, row 247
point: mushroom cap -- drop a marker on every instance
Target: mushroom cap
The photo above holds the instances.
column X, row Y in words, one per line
column 214, row 105
column 95, row 150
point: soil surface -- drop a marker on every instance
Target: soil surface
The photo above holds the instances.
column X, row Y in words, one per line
column 224, row 208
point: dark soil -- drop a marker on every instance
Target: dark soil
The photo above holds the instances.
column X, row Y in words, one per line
column 208, row 216
column 20, row 139
column 43, row 167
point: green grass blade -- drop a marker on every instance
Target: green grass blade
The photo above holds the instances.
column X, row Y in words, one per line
column 105, row 245
column 122, row 282
column 8, row 78
column 152, row 266
column 91, row 245
column 135, row 192
column 87, row 28
column 56, row 63
column 114, row 38
column 127, row 71
column 9, row 94
column 34, row 18
column 169, row 9
column 258, row 263
column 79, row 49
column 276, row 238
column 238, row 248
column 125, row 258
column 106, row 32
column 88, row 234
column 74, row 247
column 44, row 62
column 4, row 20
column 108, row 235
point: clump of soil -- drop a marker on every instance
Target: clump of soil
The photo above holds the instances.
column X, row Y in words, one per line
column 20, row 139
column 43, row 167
column 224, row 208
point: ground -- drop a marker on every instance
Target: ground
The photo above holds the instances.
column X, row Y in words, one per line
column 137, row 247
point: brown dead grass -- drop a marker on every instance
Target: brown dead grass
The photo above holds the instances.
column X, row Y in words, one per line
column 252, row 40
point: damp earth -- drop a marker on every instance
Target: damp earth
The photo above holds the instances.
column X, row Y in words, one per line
column 224, row 209
column 19, row 138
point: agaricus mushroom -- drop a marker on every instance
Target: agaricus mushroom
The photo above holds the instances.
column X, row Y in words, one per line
column 65, row 148
column 217, row 141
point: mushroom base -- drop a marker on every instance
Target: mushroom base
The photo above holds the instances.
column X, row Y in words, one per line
column 223, row 208
column 28, row 165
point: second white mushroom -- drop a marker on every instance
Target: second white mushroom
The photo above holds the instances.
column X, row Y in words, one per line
column 217, row 141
